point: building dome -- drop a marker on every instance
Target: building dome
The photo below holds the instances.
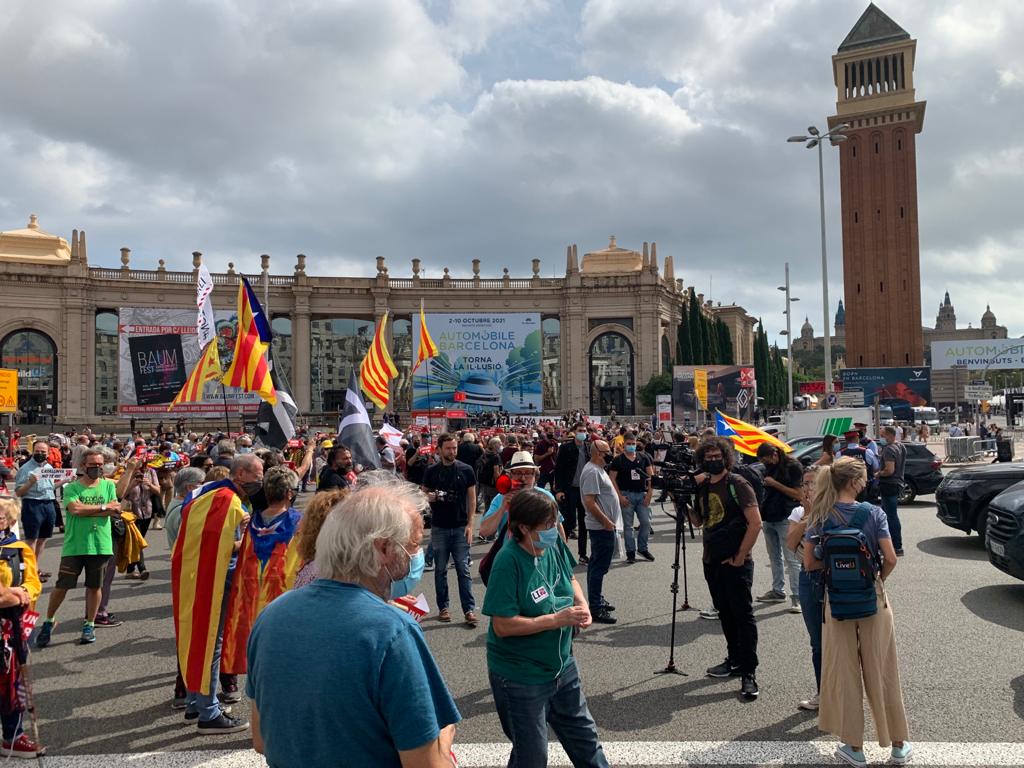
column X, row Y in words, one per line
column 612, row 260
column 32, row 244
column 988, row 320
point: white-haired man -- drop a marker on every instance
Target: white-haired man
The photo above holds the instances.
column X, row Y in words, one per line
column 340, row 643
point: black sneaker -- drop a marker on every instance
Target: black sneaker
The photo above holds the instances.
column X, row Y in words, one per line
column 193, row 716
column 230, row 697
column 222, row 724
column 748, row 687
column 584, row 560
column 725, row 669
column 630, row 557
column 110, row 620
column 646, row 555
column 604, row 617
column 607, row 607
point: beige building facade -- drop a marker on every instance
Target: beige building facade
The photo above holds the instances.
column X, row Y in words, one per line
column 609, row 323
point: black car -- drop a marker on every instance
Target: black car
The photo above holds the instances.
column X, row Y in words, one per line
column 921, row 470
column 964, row 494
column 1004, row 538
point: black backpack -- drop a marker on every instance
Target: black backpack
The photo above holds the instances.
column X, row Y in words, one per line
column 753, row 475
column 850, row 567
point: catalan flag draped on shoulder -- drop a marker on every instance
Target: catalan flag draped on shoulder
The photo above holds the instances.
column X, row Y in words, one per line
column 249, row 369
column 377, row 368
column 199, row 568
column 207, row 369
column 745, row 437
column 427, row 347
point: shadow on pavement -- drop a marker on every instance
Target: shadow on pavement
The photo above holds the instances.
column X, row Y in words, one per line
column 961, row 547
column 1002, row 604
column 648, row 707
column 1017, row 684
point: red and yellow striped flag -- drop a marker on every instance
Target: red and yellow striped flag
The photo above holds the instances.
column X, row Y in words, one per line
column 745, row 437
column 199, row 568
column 207, row 369
column 249, row 369
column 427, row 347
column 377, row 368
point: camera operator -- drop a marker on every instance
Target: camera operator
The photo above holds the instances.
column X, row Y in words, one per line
column 451, row 489
column 726, row 508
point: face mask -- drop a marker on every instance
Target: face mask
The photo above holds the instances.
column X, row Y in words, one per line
column 714, row 466
column 93, row 472
column 39, row 458
column 630, row 449
column 548, row 538
column 608, row 458
column 581, row 436
column 405, row 586
column 245, row 449
column 251, row 489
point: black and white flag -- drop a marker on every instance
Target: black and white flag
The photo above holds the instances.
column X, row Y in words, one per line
column 275, row 424
column 354, row 429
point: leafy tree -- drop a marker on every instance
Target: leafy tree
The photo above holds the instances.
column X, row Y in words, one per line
column 659, row 384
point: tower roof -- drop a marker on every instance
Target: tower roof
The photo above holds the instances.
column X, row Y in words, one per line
column 31, row 244
column 841, row 314
column 611, row 260
column 988, row 319
column 873, row 28
column 807, row 325
column 946, row 302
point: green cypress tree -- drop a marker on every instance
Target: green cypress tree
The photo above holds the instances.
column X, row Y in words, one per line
column 711, row 331
column 696, row 337
column 725, row 350
column 684, row 343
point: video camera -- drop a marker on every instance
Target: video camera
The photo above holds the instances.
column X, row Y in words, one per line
column 677, row 473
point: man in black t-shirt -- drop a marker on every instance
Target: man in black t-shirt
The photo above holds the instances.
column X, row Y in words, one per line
column 631, row 472
column 450, row 486
column 726, row 508
column 782, row 491
column 336, row 473
column 469, row 450
column 890, row 483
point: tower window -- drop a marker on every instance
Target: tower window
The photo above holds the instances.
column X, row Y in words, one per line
column 881, row 287
column 854, row 148
column 876, row 147
column 856, row 218
column 901, row 211
column 858, row 287
column 862, row 360
column 899, row 143
column 906, row 358
column 904, row 285
column 883, row 358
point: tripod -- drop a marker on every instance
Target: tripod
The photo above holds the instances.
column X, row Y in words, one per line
column 680, row 501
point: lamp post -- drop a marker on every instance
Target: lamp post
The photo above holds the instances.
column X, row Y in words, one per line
column 816, row 139
column 788, row 333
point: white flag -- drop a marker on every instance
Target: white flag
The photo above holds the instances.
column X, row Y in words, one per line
column 206, row 328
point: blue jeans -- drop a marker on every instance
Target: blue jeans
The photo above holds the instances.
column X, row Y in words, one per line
column 526, row 711
column 602, row 545
column 643, row 513
column 781, row 558
column 890, row 505
column 812, row 603
column 206, row 704
column 452, row 542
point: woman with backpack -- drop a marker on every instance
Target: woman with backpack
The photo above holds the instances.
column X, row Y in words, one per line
column 851, row 541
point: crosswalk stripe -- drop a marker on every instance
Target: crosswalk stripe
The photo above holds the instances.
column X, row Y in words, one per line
column 619, row 753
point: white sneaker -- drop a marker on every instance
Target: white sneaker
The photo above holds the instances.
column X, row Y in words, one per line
column 795, row 607
column 711, row 614
column 811, row 704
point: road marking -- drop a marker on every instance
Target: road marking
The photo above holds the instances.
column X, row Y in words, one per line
column 624, row 753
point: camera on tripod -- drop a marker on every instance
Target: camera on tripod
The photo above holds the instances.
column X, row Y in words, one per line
column 678, row 473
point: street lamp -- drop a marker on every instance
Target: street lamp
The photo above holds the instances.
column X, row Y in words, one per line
column 816, row 139
column 788, row 333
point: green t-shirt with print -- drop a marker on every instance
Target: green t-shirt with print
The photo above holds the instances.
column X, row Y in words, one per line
column 518, row 587
column 88, row 535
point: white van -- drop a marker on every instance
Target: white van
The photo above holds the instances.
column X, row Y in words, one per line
column 926, row 415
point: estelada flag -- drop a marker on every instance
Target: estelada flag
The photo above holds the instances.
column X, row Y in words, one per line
column 207, row 369
column 199, row 568
column 427, row 347
column 249, row 369
column 745, row 437
column 377, row 368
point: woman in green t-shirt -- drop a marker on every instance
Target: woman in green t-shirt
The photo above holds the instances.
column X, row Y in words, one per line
column 535, row 603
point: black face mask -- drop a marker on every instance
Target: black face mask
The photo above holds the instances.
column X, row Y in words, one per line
column 39, row 458
column 714, row 466
column 93, row 472
column 608, row 458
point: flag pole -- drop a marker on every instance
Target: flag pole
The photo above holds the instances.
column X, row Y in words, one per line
column 224, row 395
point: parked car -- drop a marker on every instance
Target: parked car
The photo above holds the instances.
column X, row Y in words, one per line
column 1004, row 537
column 921, row 472
column 964, row 494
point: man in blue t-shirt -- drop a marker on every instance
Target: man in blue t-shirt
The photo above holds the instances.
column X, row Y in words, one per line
column 369, row 691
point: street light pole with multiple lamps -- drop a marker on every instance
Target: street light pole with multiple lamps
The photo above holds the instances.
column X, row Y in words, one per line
column 788, row 333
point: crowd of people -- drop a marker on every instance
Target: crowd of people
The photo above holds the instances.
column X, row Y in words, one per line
column 320, row 599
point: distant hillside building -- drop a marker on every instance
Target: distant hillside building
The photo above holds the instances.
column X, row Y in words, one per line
column 808, row 342
column 945, row 330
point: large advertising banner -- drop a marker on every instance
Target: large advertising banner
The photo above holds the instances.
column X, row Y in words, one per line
column 723, row 392
column 484, row 362
column 978, row 355
column 914, row 385
column 157, row 350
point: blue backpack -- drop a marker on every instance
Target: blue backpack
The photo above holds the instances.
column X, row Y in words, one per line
column 850, row 567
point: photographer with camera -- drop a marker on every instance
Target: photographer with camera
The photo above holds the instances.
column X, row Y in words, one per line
column 451, row 490
column 726, row 508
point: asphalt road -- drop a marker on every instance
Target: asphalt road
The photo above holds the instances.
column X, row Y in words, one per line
column 959, row 623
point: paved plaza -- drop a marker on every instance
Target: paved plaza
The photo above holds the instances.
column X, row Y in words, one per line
column 959, row 623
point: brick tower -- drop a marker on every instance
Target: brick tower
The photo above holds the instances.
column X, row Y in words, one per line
column 874, row 76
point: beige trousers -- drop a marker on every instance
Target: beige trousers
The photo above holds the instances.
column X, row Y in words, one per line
column 858, row 657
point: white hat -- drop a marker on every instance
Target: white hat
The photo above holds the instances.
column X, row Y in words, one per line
column 521, row 459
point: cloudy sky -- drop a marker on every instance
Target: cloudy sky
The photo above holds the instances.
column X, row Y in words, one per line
column 501, row 130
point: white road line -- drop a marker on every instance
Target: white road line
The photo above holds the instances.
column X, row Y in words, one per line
column 619, row 753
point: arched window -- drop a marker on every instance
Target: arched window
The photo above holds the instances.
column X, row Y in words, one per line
column 611, row 375
column 106, row 362
column 34, row 355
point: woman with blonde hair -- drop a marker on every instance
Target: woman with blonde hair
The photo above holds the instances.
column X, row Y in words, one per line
column 859, row 654
column 309, row 528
